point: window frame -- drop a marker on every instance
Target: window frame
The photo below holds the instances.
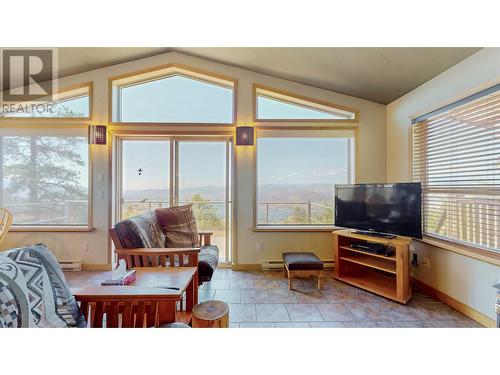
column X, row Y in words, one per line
column 257, row 87
column 307, row 227
column 449, row 244
column 63, row 228
column 115, row 84
column 90, row 88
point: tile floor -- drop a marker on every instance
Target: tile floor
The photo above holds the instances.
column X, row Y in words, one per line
column 262, row 299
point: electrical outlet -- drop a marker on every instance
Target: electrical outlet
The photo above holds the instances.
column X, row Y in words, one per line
column 85, row 247
column 259, row 246
column 427, row 263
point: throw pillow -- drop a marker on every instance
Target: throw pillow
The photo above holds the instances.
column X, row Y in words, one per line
column 179, row 225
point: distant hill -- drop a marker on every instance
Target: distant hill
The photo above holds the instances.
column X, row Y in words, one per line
column 267, row 193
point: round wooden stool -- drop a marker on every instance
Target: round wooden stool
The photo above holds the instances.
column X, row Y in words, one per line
column 211, row 314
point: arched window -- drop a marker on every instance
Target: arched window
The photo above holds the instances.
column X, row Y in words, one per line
column 173, row 94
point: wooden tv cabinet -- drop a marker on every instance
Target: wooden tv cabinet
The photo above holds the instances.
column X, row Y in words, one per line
column 386, row 276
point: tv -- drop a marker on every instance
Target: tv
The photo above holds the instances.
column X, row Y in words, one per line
column 383, row 210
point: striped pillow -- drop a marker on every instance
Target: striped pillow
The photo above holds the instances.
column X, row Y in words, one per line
column 179, row 225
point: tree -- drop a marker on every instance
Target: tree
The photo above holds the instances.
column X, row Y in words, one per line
column 206, row 213
column 298, row 216
column 44, row 169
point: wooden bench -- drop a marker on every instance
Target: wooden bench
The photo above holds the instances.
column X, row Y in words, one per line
column 302, row 265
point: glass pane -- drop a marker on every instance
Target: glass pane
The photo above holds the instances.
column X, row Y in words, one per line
column 69, row 108
column 296, row 179
column 202, row 181
column 272, row 109
column 146, row 176
column 45, row 179
column 177, row 99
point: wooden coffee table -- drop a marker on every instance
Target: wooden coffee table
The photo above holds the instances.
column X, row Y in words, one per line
column 150, row 301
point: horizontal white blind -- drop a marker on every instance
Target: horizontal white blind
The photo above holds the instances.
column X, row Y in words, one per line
column 456, row 156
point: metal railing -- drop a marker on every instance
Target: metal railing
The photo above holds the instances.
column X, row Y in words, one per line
column 309, row 207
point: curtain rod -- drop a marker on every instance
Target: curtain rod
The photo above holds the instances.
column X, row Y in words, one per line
column 460, row 102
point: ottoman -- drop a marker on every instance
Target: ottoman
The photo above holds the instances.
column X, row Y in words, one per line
column 302, row 265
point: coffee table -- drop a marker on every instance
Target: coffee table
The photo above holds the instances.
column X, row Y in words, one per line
column 150, row 301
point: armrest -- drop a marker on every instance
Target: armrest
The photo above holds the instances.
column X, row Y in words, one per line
column 158, row 251
column 205, row 238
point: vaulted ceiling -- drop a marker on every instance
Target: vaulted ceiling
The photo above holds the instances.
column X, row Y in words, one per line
column 377, row 74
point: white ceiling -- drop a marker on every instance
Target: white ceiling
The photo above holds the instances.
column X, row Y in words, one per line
column 378, row 74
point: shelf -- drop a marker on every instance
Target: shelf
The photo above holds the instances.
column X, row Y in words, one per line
column 368, row 261
column 367, row 253
column 373, row 282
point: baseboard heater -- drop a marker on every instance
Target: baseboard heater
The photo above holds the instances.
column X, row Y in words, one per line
column 70, row 265
column 273, row 265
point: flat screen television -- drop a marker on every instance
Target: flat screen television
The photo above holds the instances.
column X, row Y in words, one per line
column 394, row 209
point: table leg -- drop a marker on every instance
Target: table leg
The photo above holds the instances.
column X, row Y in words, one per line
column 192, row 293
column 166, row 312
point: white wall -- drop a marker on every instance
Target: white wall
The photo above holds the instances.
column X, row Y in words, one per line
column 372, row 164
column 463, row 278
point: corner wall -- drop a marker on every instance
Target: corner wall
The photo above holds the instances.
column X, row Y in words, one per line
column 372, row 164
column 466, row 279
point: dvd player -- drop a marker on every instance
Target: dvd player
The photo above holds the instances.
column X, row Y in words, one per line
column 374, row 248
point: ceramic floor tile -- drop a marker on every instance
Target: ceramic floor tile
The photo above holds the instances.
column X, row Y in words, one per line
column 241, row 284
column 367, row 311
column 272, row 312
column 205, row 295
column 217, row 284
column 339, row 295
column 257, row 325
column 244, row 312
column 273, row 275
column 282, row 296
column 254, row 296
column 282, row 283
column 228, row 296
column 312, row 295
column 335, row 312
column 303, row 312
column 266, row 284
column 292, row 325
column 327, row 324
column 234, row 325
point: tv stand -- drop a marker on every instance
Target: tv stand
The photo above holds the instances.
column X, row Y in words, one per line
column 375, row 234
column 388, row 276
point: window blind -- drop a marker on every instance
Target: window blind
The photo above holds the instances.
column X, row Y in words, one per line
column 456, row 157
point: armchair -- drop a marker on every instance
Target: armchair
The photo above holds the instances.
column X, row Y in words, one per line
column 141, row 243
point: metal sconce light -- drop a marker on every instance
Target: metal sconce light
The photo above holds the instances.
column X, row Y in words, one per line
column 97, row 134
column 244, row 136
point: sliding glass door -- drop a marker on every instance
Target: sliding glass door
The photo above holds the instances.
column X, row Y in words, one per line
column 164, row 172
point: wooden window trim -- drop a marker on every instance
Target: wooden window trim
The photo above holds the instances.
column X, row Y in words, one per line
column 44, row 120
column 180, row 69
column 257, row 86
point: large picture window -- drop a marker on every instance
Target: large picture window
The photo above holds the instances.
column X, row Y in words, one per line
column 296, row 175
column 456, row 156
column 44, row 176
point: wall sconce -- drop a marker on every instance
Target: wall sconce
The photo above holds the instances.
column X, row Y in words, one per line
column 97, row 134
column 244, row 136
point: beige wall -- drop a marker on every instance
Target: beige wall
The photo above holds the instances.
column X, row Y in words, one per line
column 372, row 164
column 463, row 278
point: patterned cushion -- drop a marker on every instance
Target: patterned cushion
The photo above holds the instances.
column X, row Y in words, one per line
column 140, row 231
column 208, row 259
column 50, row 301
column 179, row 225
column 15, row 310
